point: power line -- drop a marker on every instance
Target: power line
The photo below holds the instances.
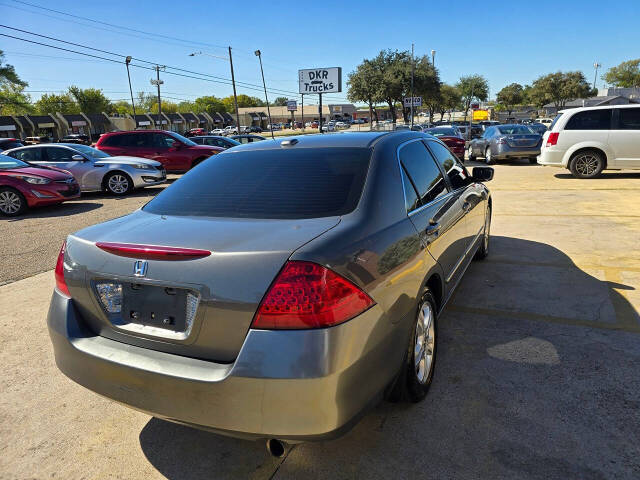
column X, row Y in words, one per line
column 220, row 80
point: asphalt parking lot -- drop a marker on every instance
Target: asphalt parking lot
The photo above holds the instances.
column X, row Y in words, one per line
column 537, row 374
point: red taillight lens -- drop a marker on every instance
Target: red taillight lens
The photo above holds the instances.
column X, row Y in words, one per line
column 59, row 272
column 552, row 139
column 308, row 295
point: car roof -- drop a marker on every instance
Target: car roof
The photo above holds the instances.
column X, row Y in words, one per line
column 210, row 136
column 601, row 107
column 336, row 140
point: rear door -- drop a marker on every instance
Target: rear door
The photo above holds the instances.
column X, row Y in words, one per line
column 624, row 138
column 436, row 212
column 165, row 151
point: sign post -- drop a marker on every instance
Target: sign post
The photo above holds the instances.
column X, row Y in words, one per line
column 320, row 80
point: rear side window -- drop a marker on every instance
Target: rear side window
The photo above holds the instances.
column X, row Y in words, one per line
column 590, row 120
column 280, row 184
column 629, row 119
column 410, row 196
column 28, row 155
column 423, row 172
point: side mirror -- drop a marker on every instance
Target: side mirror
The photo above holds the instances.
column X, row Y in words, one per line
column 482, row 174
column 77, row 158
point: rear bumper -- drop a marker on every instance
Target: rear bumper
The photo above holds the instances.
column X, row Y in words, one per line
column 505, row 151
column 292, row 385
column 551, row 157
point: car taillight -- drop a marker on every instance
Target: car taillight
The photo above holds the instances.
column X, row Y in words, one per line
column 552, row 139
column 308, row 295
column 61, row 285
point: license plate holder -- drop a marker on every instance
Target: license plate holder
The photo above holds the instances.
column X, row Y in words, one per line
column 157, row 306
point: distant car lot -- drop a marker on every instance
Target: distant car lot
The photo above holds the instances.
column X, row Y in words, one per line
column 540, row 342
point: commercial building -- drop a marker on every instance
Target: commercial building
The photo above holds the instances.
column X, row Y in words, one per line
column 257, row 116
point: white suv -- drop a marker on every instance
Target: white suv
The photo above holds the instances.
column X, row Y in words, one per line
column 588, row 140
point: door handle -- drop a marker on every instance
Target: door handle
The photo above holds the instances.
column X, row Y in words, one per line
column 466, row 206
column 433, row 228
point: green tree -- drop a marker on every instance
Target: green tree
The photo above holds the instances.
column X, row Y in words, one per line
column 510, row 96
column 364, row 86
column 90, row 100
column 244, row 101
column 426, row 84
column 122, row 107
column 451, row 99
column 472, row 87
column 558, row 88
column 167, row 107
column 54, row 103
column 627, row 74
column 186, row 107
column 144, row 101
column 13, row 100
column 280, row 102
column 209, row 104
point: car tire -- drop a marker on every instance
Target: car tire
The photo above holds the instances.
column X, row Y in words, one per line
column 533, row 160
column 470, row 156
column 118, row 183
column 414, row 379
column 197, row 161
column 483, row 249
column 12, row 202
column 586, row 164
column 488, row 158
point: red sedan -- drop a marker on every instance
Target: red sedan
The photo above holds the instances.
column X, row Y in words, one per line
column 451, row 138
column 23, row 186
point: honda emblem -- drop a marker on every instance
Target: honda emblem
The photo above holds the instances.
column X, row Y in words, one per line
column 140, row 268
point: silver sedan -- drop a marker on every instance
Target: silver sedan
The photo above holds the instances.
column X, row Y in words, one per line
column 95, row 170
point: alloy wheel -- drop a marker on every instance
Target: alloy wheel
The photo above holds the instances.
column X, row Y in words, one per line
column 10, row 202
column 487, row 156
column 586, row 164
column 118, row 184
column 424, row 343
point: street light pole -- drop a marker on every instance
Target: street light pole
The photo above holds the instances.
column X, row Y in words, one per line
column 412, row 70
column 433, row 58
column 257, row 52
column 127, row 61
column 596, row 65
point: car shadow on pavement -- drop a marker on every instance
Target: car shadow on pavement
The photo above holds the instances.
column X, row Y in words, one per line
column 138, row 193
column 606, row 174
column 61, row 210
column 536, row 378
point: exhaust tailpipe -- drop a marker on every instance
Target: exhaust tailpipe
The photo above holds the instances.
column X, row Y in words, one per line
column 275, row 447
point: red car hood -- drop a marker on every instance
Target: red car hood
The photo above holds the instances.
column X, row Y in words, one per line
column 50, row 173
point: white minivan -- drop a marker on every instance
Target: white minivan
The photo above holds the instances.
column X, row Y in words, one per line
column 588, row 140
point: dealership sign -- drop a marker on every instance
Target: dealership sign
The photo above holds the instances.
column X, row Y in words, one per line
column 292, row 105
column 417, row 102
column 320, row 80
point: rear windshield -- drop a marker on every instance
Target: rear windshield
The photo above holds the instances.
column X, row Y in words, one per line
column 280, row 184
column 442, row 132
column 515, row 130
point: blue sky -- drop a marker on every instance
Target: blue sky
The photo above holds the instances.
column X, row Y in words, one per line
column 504, row 41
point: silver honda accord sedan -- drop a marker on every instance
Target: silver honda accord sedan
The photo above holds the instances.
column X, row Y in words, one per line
column 278, row 289
column 93, row 169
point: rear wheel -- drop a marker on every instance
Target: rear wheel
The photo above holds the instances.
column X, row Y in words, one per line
column 12, row 202
column 488, row 158
column 417, row 372
column 586, row 164
column 118, row 183
column 483, row 249
column 470, row 154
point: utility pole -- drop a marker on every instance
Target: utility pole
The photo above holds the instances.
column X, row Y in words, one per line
column 320, row 113
column 235, row 96
column 157, row 82
column 127, row 61
column 433, row 59
column 412, row 70
column 596, row 65
column 257, row 52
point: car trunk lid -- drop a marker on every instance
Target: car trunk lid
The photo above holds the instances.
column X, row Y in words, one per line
column 522, row 140
column 209, row 300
